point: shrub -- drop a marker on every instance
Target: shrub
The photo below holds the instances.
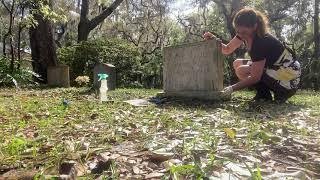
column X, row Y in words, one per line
column 83, row 56
column 82, row 81
column 17, row 77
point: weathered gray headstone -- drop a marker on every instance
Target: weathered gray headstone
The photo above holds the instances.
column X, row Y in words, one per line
column 193, row 70
column 103, row 68
column 58, row 76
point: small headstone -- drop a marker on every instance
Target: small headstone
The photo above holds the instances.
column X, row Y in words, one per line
column 58, row 76
column 102, row 68
column 193, row 70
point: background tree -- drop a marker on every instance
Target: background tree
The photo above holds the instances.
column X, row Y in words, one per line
column 43, row 48
column 86, row 25
column 316, row 30
column 149, row 25
column 10, row 7
column 313, row 74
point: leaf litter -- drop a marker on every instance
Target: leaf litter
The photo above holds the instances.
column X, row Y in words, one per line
column 180, row 139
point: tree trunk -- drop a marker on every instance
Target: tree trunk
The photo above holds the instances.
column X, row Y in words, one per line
column 316, row 60
column 19, row 46
column 20, row 29
column 12, row 52
column 6, row 35
column 316, row 30
column 235, row 5
column 4, row 47
column 83, row 30
column 11, row 36
column 9, row 33
column 86, row 25
column 43, row 49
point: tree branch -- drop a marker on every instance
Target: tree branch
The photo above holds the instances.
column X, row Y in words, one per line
column 100, row 18
column 4, row 4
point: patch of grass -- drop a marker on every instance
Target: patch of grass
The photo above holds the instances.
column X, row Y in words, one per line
column 35, row 126
column 16, row 145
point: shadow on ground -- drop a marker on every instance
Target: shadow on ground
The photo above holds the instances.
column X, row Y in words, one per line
column 242, row 106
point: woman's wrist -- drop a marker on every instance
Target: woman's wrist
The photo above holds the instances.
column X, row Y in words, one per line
column 237, row 36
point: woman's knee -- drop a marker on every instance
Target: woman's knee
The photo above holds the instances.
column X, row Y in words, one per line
column 239, row 62
column 243, row 71
column 236, row 63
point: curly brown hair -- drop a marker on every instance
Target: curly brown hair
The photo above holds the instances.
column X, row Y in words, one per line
column 248, row 17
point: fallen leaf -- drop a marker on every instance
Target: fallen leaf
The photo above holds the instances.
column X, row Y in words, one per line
column 114, row 156
column 81, row 169
column 136, row 154
column 105, row 155
column 154, row 175
column 131, row 161
column 18, row 174
column 138, row 102
column 136, row 170
column 160, row 156
column 236, row 168
column 297, row 175
column 123, row 170
column 230, row 133
column 152, row 165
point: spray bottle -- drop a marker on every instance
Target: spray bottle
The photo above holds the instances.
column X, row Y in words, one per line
column 103, row 87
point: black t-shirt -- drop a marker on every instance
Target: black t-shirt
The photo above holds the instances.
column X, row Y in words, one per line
column 267, row 47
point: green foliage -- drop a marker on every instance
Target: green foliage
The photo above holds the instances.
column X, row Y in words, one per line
column 177, row 35
column 152, row 70
column 19, row 77
column 255, row 175
column 185, row 170
column 82, row 81
column 42, row 8
column 82, row 58
column 53, row 15
column 16, row 146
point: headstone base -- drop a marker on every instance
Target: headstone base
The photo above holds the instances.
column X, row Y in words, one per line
column 202, row 95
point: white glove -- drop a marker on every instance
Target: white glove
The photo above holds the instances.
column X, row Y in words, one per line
column 226, row 92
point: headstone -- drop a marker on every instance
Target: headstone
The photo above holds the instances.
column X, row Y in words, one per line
column 58, row 76
column 102, row 68
column 193, row 70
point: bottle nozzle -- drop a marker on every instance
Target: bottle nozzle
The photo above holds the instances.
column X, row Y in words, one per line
column 102, row 76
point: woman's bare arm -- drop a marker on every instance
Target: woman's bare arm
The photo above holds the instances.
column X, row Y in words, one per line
column 256, row 72
column 231, row 46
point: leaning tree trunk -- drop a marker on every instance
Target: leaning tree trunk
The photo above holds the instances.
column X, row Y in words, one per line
column 43, row 49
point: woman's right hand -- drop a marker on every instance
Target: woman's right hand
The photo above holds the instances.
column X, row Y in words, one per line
column 208, row 36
